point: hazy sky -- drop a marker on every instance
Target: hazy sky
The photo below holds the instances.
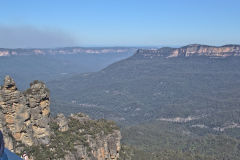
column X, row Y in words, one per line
column 57, row 23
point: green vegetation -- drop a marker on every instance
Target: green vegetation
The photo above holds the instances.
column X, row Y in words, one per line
column 163, row 140
column 93, row 127
column 131, row 153
column 63, row 142
column 138, row 91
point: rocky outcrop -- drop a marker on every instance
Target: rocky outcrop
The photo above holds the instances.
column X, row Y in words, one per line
column 192, row 50
column 101, row 138
column 27, row 126
column 62, row 122
column 24, row 115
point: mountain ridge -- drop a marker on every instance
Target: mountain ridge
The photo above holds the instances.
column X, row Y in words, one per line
column 143, row 88
column 65, row 50
column 192, row 50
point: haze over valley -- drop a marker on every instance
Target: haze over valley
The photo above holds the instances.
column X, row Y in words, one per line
column 120, row 80
column 189, row 91
column 26, row 65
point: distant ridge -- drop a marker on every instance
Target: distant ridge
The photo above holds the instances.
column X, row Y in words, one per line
column 192, row 50
column 66, row 50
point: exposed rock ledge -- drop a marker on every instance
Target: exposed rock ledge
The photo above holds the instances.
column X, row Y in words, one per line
column 192, row 50
column 27, row 126
column 181, row 119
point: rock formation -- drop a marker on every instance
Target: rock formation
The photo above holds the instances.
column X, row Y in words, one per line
column 101, row 138
column 192, row 50
column 27, row 126
column 24, row 115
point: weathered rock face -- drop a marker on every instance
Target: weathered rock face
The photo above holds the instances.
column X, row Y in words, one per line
column 107, row 147
column 62, row 122
column 193, row 50
column 27, row 126
column 24, row 115
column 100, row 144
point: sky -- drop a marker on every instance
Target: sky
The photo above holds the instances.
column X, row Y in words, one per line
column 62, row 23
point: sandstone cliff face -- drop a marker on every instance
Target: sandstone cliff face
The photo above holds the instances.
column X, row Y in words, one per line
column 25, row 116
column 102, row 141
column 27, row 126
column 193, row 50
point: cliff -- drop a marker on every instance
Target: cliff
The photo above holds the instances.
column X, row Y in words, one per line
column 192, row 50
column 27, row 126
column 67, row 50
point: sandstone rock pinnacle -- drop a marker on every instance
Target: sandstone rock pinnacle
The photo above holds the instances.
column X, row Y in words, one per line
column 26, row 124
column 25, row 115
column 9, row 83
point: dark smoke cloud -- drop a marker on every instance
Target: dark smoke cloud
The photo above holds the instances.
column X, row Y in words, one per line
column 31, row 37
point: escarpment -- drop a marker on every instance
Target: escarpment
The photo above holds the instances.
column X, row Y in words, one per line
column 192, row 50
column 27, row 126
